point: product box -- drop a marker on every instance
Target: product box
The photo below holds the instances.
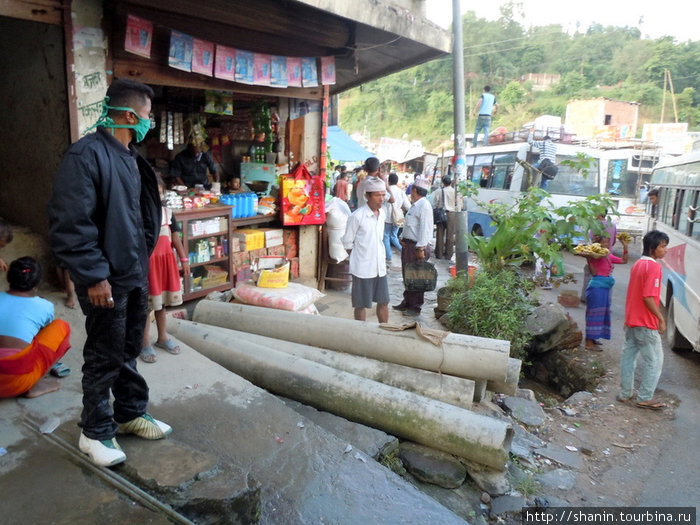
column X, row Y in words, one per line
column 243, row 273
column 273, row 237
column 271, row 272
column 240, row 258
column 234, row 245
column 277, row 250
column 294, row 267
column 250, row 238
column 255, row 254
column 290, row 237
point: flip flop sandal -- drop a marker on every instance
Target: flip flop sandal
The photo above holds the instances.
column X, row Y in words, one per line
column 651, row 405
column 170, row 346
column 59, row 370
column 148, row 355
column 623, row 399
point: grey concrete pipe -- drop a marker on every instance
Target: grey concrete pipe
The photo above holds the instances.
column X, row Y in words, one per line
column 450, row 389
column 460, row 355
column 432, row 423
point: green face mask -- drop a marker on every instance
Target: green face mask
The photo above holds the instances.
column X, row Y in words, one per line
column 143, row 126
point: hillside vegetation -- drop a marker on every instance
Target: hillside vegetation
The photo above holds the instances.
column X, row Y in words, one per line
column 611, row 62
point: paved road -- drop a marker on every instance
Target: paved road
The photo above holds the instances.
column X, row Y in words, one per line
column 673, row 479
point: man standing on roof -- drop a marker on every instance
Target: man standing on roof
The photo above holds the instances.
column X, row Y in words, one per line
column 484, row 110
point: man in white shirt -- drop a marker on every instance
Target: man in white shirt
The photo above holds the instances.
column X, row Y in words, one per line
column 415, row 239
column 363, row 238
column 445, row 197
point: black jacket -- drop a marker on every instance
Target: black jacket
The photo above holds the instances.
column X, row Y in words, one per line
column 104, row 213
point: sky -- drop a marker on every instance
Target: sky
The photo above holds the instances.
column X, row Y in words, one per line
column 659, row 18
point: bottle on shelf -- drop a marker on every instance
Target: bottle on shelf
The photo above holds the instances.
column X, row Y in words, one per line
column 254, row 199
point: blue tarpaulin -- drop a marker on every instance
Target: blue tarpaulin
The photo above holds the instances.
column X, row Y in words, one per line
column 343, row 148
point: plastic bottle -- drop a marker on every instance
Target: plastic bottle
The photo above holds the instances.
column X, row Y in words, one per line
column 254, row 198
column 248, row 205
column 237, row 206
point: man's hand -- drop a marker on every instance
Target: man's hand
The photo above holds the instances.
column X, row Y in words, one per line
column 100, row 295
column 3, row 266
column 662, row 325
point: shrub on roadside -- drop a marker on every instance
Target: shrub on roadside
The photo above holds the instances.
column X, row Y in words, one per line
column 495, row 306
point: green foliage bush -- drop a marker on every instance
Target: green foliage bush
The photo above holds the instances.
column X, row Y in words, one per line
column 495, row 306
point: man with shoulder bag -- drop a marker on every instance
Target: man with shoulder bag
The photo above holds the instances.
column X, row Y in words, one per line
column 445, row 202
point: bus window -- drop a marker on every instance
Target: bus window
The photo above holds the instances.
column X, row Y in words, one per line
column 684, row 210
column 693, row 214
column 504, row 164
column 570, row 181
column 620, row 182
column 482, row 170
column 667, row 200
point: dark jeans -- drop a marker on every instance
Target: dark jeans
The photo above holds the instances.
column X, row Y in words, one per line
column 114, row 338
column 408, row 254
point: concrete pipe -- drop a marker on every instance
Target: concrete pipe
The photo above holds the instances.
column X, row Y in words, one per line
column 459, row 355
column 450, row 389
column 432, row 423
column 510, row 385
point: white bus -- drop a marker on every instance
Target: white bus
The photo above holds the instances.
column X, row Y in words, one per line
column 619, row 172
column 678, row 182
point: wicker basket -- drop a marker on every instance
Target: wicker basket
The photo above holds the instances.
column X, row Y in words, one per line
column 420, row 276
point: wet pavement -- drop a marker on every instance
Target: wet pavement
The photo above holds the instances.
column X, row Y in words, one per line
column 237, row 454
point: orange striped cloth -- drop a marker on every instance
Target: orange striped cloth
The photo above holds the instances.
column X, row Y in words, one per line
column 21, row 371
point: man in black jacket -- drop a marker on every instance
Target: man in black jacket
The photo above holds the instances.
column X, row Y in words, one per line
column 104, row 220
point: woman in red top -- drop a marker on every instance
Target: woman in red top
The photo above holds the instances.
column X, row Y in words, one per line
column 598, row 294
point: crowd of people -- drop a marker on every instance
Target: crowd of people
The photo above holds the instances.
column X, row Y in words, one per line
column 111, row 234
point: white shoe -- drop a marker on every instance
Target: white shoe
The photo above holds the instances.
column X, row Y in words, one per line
column 146, row 427
column 103, row 453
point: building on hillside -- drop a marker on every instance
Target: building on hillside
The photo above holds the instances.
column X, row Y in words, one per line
column 541, row 81
column 602, row 119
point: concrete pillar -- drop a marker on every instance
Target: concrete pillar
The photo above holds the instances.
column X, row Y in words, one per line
column 460, row 355
column 432, row 423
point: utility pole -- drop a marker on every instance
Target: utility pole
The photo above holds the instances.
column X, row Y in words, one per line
column 460, row 171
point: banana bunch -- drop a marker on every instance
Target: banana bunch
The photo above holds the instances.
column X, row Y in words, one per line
column 624, row 237
column 594, row 250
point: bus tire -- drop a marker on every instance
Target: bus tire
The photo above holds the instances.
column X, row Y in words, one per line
column 674, row 338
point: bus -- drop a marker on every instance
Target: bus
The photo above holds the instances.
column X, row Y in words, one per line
column 617, row 171
column 676, row 214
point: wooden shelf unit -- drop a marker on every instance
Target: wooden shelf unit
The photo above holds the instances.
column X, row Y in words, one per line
column 188, row 216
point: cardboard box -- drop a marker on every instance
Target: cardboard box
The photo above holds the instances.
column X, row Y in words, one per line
column 277, row 250
column 250, row 238
column 234, row 245
column 255, row 254
column 240, row 258
column 243, row 273
column 290, row 235
column 273, row 237
column 294, row 267
column 275, row 278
